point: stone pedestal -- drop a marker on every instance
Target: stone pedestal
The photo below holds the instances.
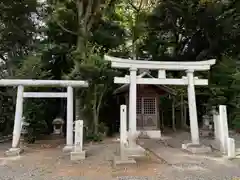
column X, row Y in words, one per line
column 118, row 160
column 77, row 155
column 14, row 152
column 231, row 148
column 136, row 151
column 67, row 149
column 123, row 157
column 196, row 148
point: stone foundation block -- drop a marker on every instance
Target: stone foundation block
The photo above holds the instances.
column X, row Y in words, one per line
column 118, row 160
column 137, row 151
column 196, row 148
column 75, row 156
column 67, row 149
column 14, row 152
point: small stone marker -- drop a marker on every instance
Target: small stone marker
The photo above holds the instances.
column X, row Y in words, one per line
column 78, row 153
column 123, row 158
column 231, row 148
column 223, row 125
column 123, row 127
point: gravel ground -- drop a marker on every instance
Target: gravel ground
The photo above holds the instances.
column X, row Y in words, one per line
column 45, row 161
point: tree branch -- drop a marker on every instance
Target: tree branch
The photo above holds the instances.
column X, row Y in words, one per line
column 79, row 5
column 88, row 12
column 2, row 57
column 65, row 29
column 100, row 99
column 140, row 5
column 133, row 6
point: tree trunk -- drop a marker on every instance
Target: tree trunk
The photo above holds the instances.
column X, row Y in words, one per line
column 185, row 126
column 81, row 49
column 173, row 115
column 78, row 108
column 162, row 121
column 182, row 112
column 95, row 120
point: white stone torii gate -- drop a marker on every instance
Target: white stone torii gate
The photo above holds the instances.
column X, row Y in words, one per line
column 162, row 66
column 15, row 150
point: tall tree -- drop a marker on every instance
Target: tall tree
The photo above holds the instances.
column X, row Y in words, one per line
column 17, row 31
column 17, row 28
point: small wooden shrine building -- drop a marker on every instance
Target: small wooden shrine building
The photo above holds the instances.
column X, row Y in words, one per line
column 149, row 114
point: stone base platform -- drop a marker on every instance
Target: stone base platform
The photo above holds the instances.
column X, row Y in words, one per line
column 196, row 148
column 75, row 156
column 137, row 151
column 14, row 152
column 153, row 134
column 67, row 149
column 118, row 160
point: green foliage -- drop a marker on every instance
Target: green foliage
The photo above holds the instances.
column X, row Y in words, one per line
column 99, row 136
column 17, row 29
column 6, row 111
column 224, row 88
column 34, row 115
column 32, row 68
column 34, row 110
column 97, row 72
column 77, row 33
column 221, row 82
column 95, row 137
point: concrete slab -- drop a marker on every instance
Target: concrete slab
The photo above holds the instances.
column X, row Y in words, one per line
column 170, row 155
column 75, row 156
column 196, row 148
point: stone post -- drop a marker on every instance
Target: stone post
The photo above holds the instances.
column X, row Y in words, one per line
column 223, row 127
column 15, row 150
column 69, row 137
column 133, row 107
column 78, row 153
column 124, row 155
column 231, row 148
column 161, row 73
column 192, row 108
column 216, row 127
column 123, row 129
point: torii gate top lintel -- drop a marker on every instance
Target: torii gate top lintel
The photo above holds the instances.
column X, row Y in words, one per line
column 164, row 65
column 46, row 83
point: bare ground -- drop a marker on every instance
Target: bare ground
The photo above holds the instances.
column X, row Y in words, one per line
column 46, row 161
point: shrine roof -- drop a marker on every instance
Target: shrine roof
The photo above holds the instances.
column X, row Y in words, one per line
column 125, row 87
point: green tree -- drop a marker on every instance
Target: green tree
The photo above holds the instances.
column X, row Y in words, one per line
column 36, row 111
column 99, row 76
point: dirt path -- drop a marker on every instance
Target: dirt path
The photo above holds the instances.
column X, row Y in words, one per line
column 46, row 161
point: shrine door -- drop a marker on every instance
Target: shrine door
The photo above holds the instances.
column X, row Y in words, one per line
column 147, row 113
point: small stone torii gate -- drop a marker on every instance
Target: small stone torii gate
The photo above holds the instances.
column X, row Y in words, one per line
column 161, row 66
column 15, row 150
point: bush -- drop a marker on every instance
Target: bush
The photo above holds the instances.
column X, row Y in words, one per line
column 103, row 129
column 34, row 115
column 95, row 137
